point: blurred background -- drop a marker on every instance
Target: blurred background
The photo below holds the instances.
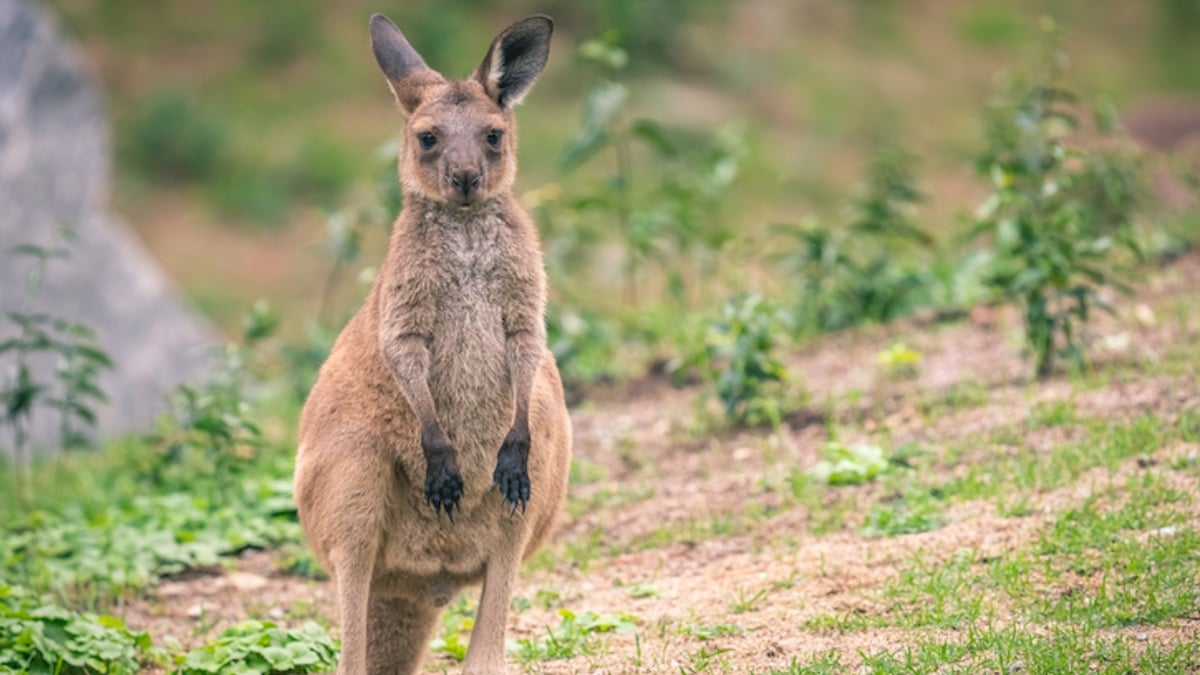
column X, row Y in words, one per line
column 828, row 156
column 194, row 196
column 241, row 128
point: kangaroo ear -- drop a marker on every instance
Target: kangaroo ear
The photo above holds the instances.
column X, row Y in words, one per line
column 515, row 59
column 407, row 75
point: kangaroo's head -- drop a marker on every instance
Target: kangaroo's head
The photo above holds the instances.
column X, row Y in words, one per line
column 459, row 143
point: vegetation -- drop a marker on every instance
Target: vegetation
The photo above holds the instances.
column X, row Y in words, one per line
column 738, row 361
column 1058, row 215
column 79, row 360
column 994, row 525
column 262, row 647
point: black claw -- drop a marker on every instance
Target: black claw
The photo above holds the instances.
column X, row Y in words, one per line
column 443, row 490
column 513, row 484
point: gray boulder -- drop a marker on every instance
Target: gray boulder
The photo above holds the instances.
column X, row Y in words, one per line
column 54, row 170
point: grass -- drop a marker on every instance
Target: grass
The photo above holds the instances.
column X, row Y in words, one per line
column 1047, row 543
column 748, row 602
column 1012, row 650
column 581, row 634
column 1105, row 550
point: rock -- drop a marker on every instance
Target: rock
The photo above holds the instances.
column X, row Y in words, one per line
column 1145, row 316
column 54, row 170
column 195, row 611
column 245, row 582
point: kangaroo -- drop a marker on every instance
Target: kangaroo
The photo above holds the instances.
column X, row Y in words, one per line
column 434, row 447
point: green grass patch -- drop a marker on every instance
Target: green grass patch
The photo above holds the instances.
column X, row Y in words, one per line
column 1063, row 650
column 576, row 635
column 910, row 513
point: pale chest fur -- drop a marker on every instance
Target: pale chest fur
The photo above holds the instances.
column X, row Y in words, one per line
column 468, row 373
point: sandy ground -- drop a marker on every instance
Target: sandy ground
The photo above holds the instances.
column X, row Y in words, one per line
column 649, row 467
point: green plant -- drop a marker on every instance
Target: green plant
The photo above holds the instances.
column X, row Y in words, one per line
column 738, row 361
column 36, row 637
column 211, row 428
column 849, row 465
column 584, row 343
column 130, row 545
column 577, row 634
column 670, row 208
column 457, row 621
column 1058, row 217
column 346, row 228
column 321, row 170
column 263, row 648
column 639, row 591
column 910, row 513
column 748, row 602
column 705, row 632
column 704, row 659
column 299, row 561
column 79, row 359
column 653, row 42
column 854, row 274
column 248, row 191
column 900, row 360
column 172, row 137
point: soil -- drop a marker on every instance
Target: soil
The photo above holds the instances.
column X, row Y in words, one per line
column 660, row 468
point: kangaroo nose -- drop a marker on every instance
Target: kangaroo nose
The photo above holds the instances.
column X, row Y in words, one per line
column 466, row 181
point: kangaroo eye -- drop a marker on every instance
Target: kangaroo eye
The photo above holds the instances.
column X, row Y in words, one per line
column 427, row 140
column 493, row 138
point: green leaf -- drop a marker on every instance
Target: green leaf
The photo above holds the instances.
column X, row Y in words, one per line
column 601, row 107
column 655, row 135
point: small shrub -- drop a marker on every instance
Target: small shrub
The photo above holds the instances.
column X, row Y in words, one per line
column 171, row 137
column 257, row 194
column 299, row 561
column 80, row 360
column 211, row 428
column 673, row 207
column 855, row 275
column 739, row 362
column 640, row 25
column 583, row 343
column 1058, row 217
column 320, row 170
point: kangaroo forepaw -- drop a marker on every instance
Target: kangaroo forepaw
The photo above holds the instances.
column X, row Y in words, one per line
column 443, row 489
column 512, row 477
column 514, row 487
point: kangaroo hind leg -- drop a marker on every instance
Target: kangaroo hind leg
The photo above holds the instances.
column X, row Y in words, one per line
column 398, row 633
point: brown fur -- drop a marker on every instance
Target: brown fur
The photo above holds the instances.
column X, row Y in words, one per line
column 440, row 394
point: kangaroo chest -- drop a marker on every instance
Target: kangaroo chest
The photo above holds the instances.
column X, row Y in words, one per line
column 468, row 375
